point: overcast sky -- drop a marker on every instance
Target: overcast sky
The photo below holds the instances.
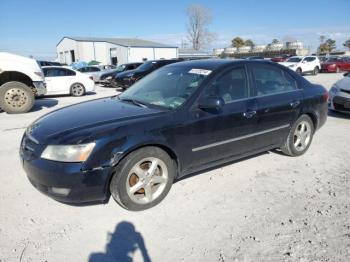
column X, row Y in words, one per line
column 34, row 27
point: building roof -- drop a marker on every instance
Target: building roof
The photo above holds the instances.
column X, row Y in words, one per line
column 127, row 42
column 185, row 52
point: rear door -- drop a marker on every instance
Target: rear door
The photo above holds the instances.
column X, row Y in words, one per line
column 278, row 103
column 215, row 136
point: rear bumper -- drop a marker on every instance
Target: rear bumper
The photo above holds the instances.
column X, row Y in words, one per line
column 66, row 182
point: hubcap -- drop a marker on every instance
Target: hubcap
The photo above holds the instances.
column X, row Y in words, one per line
column 15, row 97
column 147, row 180
column 302, row 135
column 77, row 90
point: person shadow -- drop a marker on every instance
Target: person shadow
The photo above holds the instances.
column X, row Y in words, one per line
column 122, row 245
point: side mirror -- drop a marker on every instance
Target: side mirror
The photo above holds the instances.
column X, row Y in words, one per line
column 211, row 104
column 347, row 74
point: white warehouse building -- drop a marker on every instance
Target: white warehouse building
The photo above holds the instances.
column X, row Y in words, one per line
column 111, row 50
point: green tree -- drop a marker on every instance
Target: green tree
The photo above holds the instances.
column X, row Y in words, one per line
column 237, row 42
column 249, row 42
column 327, row 47
column 347, row 43
column 331, row 44
column 275, row 41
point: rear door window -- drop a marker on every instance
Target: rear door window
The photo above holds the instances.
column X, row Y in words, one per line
column 271, row 80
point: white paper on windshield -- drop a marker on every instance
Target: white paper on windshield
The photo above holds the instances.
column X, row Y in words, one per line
column 200, row 71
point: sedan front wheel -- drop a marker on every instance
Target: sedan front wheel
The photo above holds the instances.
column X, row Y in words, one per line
column 143, row 178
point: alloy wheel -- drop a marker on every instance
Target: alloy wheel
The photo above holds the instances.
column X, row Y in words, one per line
column 77, row 90
column 147, row 180
column 302, row 136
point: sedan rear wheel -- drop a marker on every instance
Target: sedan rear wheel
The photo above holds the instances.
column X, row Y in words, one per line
column 143, row 178
column 77, row 89
column 299, row 137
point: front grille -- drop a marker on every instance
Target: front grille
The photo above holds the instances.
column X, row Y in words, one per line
column 341, row 104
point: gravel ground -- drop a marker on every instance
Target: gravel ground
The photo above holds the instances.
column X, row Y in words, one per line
column 265, row 208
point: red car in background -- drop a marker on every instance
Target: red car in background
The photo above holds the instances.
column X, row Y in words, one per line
column 336, row 64
column 281, row 58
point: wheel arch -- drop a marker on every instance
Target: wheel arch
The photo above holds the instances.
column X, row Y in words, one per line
column 10, row 76
column 313, row 117
column 164, row 147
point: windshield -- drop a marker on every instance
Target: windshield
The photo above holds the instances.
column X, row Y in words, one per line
column 120, row 68
column 294, row 59
column 168, row 87
column 147, row 66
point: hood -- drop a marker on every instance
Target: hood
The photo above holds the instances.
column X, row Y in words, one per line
column 134, row 71
column 344, row 83
column 86, row 116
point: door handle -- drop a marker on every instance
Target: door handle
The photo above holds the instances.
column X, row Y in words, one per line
column 249, row 114
column 295, row 103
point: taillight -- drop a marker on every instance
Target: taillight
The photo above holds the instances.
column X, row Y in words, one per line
column 325, row 96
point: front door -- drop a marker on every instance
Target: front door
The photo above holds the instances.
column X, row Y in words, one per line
column 214, row 136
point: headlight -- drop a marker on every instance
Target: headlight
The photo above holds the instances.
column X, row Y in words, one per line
column 40, row 74
column 68, row 153
column 109, row 78
column 335, row 89
column 129, row 75
column 292, row 65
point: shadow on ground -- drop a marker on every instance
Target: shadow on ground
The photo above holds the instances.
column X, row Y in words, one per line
column 44, row 103
column 122, row 245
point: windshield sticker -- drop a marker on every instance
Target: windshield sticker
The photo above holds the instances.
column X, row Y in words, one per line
column 199, row 71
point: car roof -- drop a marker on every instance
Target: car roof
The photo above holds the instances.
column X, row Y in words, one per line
column 212, row 64
column 55, row 66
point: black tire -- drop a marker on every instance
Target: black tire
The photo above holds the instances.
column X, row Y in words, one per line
column 289, row 148
column 77, row 89
column 299, row 71
column 118, row 185
column 16, row 98
column 316, row 70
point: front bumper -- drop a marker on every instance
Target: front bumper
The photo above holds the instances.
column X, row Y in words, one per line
column 66, row 182
column 340, row 102
column 40, row 88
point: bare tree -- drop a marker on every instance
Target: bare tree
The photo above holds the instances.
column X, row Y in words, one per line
column 199, row 19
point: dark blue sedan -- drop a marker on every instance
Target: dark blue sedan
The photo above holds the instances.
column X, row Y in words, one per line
column 180, row 119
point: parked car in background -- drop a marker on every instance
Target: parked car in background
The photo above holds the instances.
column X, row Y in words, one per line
column 107, row 79
column 125, row 79
column 107, row 67
column 65, row 81
column 49, row 63
column 322, row 58
column 303, row 64
column 178, row 120
column 21, row 80
column 336, row 64
column 281, row 58
column 93, row 71
column 339, row 95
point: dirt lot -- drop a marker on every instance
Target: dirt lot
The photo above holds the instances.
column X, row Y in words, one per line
column 265, row 208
